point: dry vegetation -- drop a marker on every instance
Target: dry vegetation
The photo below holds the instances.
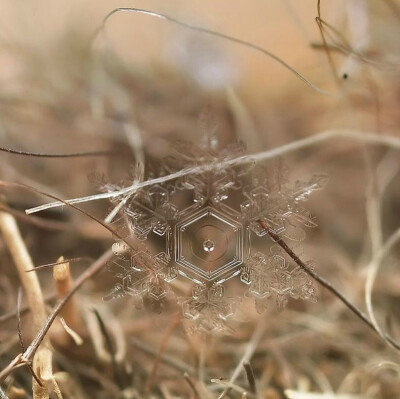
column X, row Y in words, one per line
column 79, row 94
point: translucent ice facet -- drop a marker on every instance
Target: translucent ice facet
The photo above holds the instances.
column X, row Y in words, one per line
column 209, row 244
column 205, row 226
column 208, row 309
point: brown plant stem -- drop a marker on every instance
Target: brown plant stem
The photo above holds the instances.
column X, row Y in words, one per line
column 69, row 325
column 358, row 312
column 192, row 386
column 24, row 309
column 325, row 44
column 110, row 347
column 250, row 377
column 174, row 323
column 64, row 284
column 27, row 356
column 100, row 153
column 42, row 362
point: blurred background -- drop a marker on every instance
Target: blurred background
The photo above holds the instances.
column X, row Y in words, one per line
column 141, row 84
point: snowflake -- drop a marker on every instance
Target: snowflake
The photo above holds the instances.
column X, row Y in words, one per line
column 204, row 227
column 270, row 275
column 208, row 309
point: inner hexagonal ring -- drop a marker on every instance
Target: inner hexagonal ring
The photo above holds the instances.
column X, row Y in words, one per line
column 208, row 245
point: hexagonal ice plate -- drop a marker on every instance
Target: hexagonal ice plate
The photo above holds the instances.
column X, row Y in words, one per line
column 209, row 246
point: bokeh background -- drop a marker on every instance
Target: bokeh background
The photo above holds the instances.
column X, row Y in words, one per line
column 144, row 84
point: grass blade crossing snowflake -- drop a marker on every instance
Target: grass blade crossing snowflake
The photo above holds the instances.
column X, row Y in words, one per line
column 204, row 227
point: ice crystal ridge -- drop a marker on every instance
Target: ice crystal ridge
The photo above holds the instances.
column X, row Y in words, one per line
column 205, row 227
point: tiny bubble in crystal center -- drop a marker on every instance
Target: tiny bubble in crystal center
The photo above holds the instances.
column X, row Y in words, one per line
column 208, row 245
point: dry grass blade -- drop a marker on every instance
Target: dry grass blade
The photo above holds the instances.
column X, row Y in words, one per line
column 250, row 377
column 216, row 34
column 192, row 386
column 62, row 262
column 32, row 348
column 345, row 134
column 110, row 347
column 37, row 221
column 167, row 360
column 328, row 285
column 42, row 363
column 29, row 188
column 163, row 346
column 373, row 268
column 179, row 133
column 70, row 316
column 24, row 310
column 247, row 355
column 21, row 341
column 292, row 394
column 71, row 155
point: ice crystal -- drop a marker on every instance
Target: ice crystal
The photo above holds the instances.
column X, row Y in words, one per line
column 141, row 275
column 204, row 227
column 271, row 275
column 208, row 309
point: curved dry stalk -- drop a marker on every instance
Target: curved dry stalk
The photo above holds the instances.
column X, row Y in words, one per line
column 23, row 263
column 20, row 337
column 163, row 346
column 389, row 365
column 373, row 268
column 69, row 386
column 37, row 221
column 26, row 357
column 100, row 153
column 247, row 355
column 42, row 362
column 73, row 334
column 250, row 377
column 227, row 385
column 104, row 339
column 134, row 138
column 358, row 312
column 373, row 209
column 62, row 262
column 387, row 169
column 195, row 391
column 24, row 309
column 325, row 44
column 167, row 360
column 245, row 129
column 70, row 316
column 108, row 343
column 292, row 394
column 343, row 46
column 348, row 134
column 59, row 200
column 215, row 34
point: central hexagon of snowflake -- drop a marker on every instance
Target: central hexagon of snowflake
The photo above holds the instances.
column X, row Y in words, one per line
column 209, row 246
